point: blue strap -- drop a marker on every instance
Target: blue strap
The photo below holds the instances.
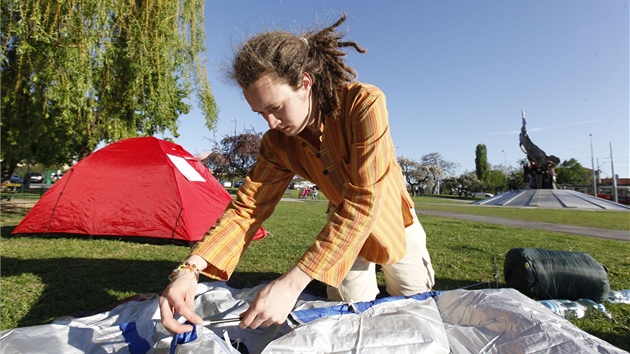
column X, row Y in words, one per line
column 306, row 316
column 181, row 338
column 137, row 344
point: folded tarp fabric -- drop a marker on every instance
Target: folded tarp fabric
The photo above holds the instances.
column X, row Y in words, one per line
column 458, row 321
column 403, row 326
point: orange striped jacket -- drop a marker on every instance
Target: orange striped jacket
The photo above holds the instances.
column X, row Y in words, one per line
column 355, row 168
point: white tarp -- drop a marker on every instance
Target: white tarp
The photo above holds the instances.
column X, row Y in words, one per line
column 506, row 321
column 459, row 321
column 402, row 326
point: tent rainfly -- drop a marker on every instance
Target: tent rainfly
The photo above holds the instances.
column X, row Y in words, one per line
column 137, row 187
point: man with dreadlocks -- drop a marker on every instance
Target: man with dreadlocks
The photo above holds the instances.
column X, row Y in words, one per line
column 333, row 131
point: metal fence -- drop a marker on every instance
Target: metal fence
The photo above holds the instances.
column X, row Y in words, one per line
column 20, row 196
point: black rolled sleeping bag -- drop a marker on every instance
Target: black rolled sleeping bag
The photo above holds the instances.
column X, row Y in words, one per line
column 548, row 274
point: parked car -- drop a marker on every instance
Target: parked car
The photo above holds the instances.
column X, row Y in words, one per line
column 238, row 184
column 54, row 177
column 483, row 194
column 34, row 177
column 227, row 184
column 16, row 178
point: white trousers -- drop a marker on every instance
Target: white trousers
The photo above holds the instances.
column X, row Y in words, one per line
column 413, row 274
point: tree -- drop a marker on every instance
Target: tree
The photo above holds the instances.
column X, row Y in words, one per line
column 466, row 184
column 571, row 172
column 517, row 177
column 481, row 162
column 77, row 73
column 235, row 155
column 495, row 180
column 415, row 173
column 438, row 168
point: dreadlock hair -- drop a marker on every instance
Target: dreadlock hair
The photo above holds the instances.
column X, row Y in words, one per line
column 287, row 57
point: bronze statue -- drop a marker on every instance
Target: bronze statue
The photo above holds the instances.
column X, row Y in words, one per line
column 540, row 171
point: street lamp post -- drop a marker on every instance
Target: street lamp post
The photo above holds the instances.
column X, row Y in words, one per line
column 235, row 122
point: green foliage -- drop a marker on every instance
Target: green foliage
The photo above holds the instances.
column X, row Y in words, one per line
column 482, row 167
column 78, row 73
column 572, row 172
column 495, row 181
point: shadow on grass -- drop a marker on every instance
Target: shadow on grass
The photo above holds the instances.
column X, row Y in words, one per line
column 5, row 231
column 618, row 340
column 79, row 286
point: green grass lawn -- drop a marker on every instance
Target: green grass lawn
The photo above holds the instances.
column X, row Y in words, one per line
column 44, row 278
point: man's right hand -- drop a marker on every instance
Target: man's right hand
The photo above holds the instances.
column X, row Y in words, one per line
column 178, row 297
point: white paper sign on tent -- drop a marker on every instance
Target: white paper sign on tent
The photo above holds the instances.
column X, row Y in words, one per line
column 184, row 167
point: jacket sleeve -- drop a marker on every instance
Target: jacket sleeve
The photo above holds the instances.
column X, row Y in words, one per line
column 263, row 187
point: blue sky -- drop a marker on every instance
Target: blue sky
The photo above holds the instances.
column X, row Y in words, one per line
column 457, row 73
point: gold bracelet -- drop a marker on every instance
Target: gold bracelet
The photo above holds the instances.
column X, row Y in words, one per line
column 191, row 267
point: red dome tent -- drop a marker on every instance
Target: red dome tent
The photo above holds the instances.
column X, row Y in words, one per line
column 138, row 187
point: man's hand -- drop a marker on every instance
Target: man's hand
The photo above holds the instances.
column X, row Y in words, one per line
column 178, row 297
column 275, row 301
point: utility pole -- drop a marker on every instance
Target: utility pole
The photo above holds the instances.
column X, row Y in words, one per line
column 614, row 178
column 599, row 175
column 593, row 167
column 505, row 168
